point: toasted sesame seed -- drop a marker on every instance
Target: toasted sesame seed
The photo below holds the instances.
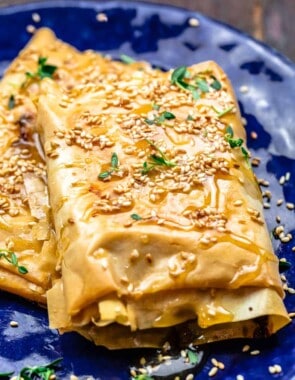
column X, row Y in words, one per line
column 36, row 17
column 240, row 377
column 278, row 368
column 74, row 377
column 194, row 22
column 213, row 371
column 292, row 315
column 244, row 89
column 13, row 324
column 101, row 17
column 293, row 249
column 214, row 362
column 290, row 206
column 282, row 180
column 246, row 348
column 30, row 29
column 280, row 202
column 287, row 176
column 255, row 352
column 238, row 202
column 253, row 135
column 271, row 370
column 266, row 205
column 278, row 219
column 221, row 365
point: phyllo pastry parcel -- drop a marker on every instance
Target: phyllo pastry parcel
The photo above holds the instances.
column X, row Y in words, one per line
column 27, row 240
column 158, row 215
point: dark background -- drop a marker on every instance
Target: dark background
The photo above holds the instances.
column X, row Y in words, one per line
column 272, row 21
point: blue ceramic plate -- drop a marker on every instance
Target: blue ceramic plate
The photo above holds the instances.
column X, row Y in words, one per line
column 163, row 36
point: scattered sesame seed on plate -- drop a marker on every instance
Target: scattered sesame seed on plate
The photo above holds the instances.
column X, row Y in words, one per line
column 253, row 135
column 213, row 371
column 30, row 29
column 193, row 22
column 13, row 324
column 254, row 352
column 246, row 348
column 240, row 377
column 101, row 17
column 244, row 89
column 280, row 202
column 290, row 206
column 36, row 17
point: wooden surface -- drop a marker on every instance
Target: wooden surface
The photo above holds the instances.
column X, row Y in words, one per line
column 272, row 21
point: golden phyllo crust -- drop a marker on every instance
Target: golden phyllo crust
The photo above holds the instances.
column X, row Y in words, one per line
column 157, row 213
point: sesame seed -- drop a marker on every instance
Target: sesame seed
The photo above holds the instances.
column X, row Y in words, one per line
column 214, row 362
column 282, row 180
column 278, row 219
column 271, row 370
column 254, row 352
column 220, row 365
column 101, row 17
column 290, row 206
column 292, row 315
column 287, row 176
column 253, row 135
column 293, row 249
column 240, row 377
column 194, row 22
column 74, row 377
column 30, row 29
column 238, row 202
column 213, row 371
column 246, row 348
column 278, row 368
column 244, row 89
column 13, row 324
column 142, row 361
column 266, row 205
column 280, row 202
column 36, row 17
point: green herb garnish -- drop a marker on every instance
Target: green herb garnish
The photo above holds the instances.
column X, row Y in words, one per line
column 215, row 84
column 11, row 102
column 223, row 112
column 156, row 107
column 11, row 257
column 284, row 265
column 190, row 118
column 160, row 119
column 142, row 376
column 156, row 160
column 136, row 217
column 6, row 374
column 177, row 78
column 43, row 372
column 202, row 84
column 126, row 59
column 43, row 70
column 236, row 143
column 114, row 167
column 193, row 356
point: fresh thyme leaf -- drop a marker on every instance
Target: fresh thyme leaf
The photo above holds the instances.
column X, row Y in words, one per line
column 142, row 376
column 43, row 372
column 6, row 374
column 160, row 119
column 178, row 74
column 11, row 258
column 284, row 265
column 229, row 131
column 193, row 357
column 161, row 160
column 245, row 153
column 114, row 161
column 223, row 112
column 168, row 115
column 202, row 84
column 156, row 107
column 11, row 102
column 126, row 59
column 215, row 84
column 235, row 143
column 43, row 70
column 136, row 217
column 105, row 174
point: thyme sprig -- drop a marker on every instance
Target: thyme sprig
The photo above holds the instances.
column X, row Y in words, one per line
column 200, row 85
column 236, row 143
column 156, row 160
column 11, row 257
column 114, row 167
column 43, row 70
column 11, row 102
